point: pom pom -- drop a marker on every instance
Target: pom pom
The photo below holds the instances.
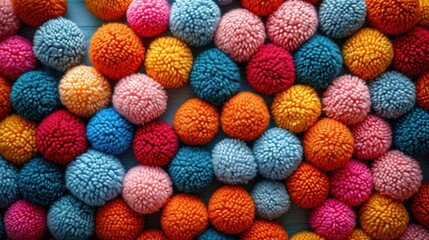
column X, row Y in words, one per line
column 146, row 189
column 261, row 7
column 393, row 16
column 169, row 62
column 373, row 137
column 196, row 122
column 283, row 28
column 262, row 229
column 9, row 191
column 271, row 70
column 37, row 12
column 152, row 234
column 215, row 78
column 271, row 199
column 368, row 53
column 245, row 116
column 116, row 220
column 233, row 162
column 308, row 186
column 84, row 91
column 107, row 9
column 139, row 98
column 420, row 205
column 95, row 177
column 318, row 62
column 379, row 212
column 24, row 220
column 148, row 18
column 155, row 143
column 240, row 34
column 184, row 217
column 340, row 19
column 422, row 91
column 69, row 218
column 297, row 108
column 191, row 170
column 424, row 13
column 231, row 209
column 328, row 144
column 347, row 100
column 194, row 21
column 9, row 22
column 359, row 234
column 352, row 184
column 60, row 44
column 213, row 234
column 305, row 235
column 61, row 137
column 116, row 51
column 18, row 141
column 41, row 182
column 5, row 103
column 415, row 231
column 16, row 57
column 35, row 95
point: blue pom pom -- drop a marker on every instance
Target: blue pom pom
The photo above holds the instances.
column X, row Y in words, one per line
column 9, row 192
column 194, row 21
column 318, row 62
column 95, row 177
column 271, row 199
column 191, row 170
column 278, row 153
column 213, row 234
column 233, row 162
column 109, row 132
column 35, row 95
column 214, row 77
column 340, row 19
column 59, row 43
column 392, row 94
column 411, row 132
column 41, row 182
column 69, row 218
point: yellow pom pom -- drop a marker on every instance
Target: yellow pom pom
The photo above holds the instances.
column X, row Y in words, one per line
column 305, row 235
column 359, row 234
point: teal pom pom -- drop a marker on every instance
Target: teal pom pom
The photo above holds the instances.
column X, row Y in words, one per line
column 9, row 192
column 271, row 199
column 213, row 234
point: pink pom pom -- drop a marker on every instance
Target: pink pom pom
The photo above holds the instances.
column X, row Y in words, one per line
column 347, row 100
column 415, row 232
column 9, row 22
column 352, row 184
column 16, row 57
column 148, row 18
column 396, row 175
column 139, row 98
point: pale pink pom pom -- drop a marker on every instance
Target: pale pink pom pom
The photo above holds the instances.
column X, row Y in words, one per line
column 415, row 232
column 148, row 18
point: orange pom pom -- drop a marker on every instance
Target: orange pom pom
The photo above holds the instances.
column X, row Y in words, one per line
column 5, row 104
column 153, row 234
column 262, row 229
column 358, row 234
column 420, row 205
column 261, row 7
column 108, row 9
column 422, row 91
column 37, row 12
column 424, row 13
column 305, row 235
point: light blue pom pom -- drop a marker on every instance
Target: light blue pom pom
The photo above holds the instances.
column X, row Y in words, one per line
column 213, row 234
column 271, row 199
column 9, row 192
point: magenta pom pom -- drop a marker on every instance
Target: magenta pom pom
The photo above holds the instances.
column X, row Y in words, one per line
column 415, row 232
column 9, row 22
column 16, row 57
column 148, row 18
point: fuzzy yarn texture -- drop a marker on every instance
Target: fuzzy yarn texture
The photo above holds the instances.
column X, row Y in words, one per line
column 318, row 61
column 16, row 57
column 271, row 70
column 196, row 122
column 152, row 234
column 41, row 182
column 9, row 191
column 215, row 78
column 292, row 24
column 71, row 219
column 116, row 51
column 422, row 91
column 107, row 9
column 378, row 213
column 420, row 205
column 148, row 18
column 333, row 220
column 5, row 103
column 271, row 199
column 415, row 232
column 116, row 220
column 9, row 22
column 191, row 170
column 184, row 217
column 263, row 229
column 328, row 145
column 297, row 108
column 347, row 100
column 308, row 187
column 306, row 235
column 245, row 116
column 146, row 189
column 194, row 21
column 368, row 53
column 155, row 143
column 261, row 7
column 59, row 43
column 169, row 62
column 213, row 234
column 61, row 137
column 84, row 91
column 18, row 139
column 352, row 184
column 24, row 220
column 231, row 209
column 358, row 234
column 139, row 98
column 240, row 34
column 37, row 12
column 233, row 162
column 373, row 137
column 424, row 13
column 34, row 95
